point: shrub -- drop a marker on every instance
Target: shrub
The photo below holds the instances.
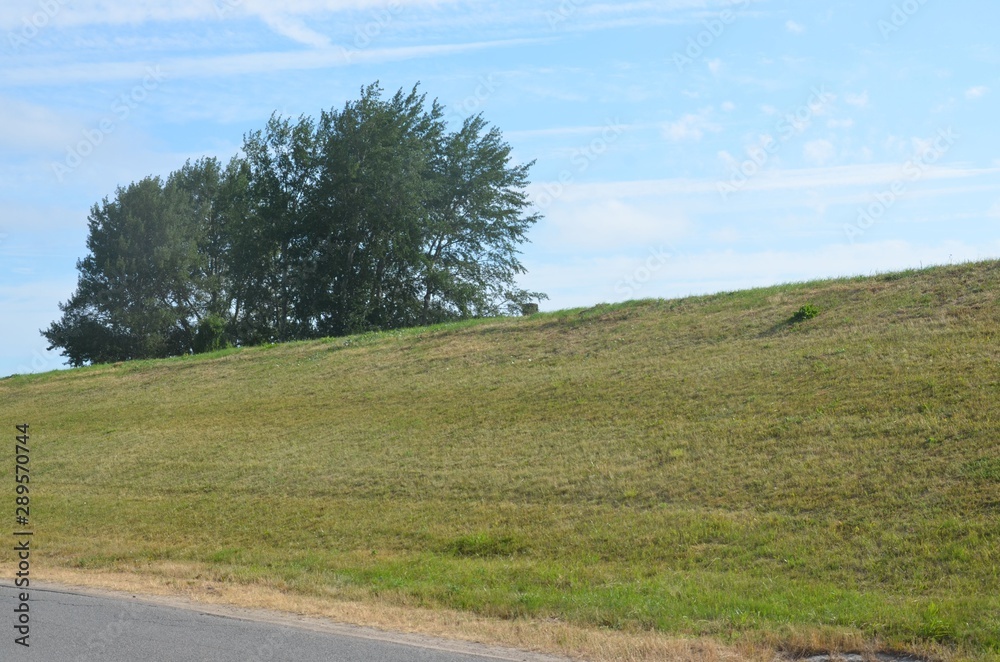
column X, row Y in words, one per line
column 806, row 312
column 211, row 335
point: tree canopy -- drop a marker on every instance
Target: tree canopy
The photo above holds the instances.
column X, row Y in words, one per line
column 372, row 216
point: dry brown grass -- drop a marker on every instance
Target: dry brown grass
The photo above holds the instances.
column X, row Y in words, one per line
column 550, row 636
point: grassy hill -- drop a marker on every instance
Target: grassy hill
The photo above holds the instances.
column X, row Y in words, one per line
column 700, row 467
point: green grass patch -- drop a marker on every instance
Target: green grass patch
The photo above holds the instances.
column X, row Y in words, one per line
column 697, row 466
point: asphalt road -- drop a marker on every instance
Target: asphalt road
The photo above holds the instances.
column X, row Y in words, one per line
column 70, row 625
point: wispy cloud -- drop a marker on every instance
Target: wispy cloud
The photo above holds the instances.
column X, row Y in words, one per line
column 977, row 92
column 32, row 127
column 88, row 13
column 690, row 127
column 868, row 176
column 857, row 100
column 296, row 30
column 794, row 27
column 584, row 281
column 612, row 223
column 819, row 152
column 238, row 65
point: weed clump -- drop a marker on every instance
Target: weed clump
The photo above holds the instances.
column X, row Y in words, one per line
column 806, row 312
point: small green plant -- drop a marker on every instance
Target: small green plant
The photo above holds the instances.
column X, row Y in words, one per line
column 806, row 312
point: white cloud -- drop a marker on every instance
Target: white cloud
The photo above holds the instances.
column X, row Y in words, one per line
column 611, row 224
column 795, row 28
column 977, row 92
column 819, row 152
column 237, row 65
column 724, row 270
column 865, row 176
column 994, row 212
column 728, row 106
column 32, row 127
column 727, row 236
column 728, row 160
column 586, row 282
column 858, row 100
column 715, row 66
column 82, row 13
column 690, row 127
column 945, row 106
column 35, row 305
column 294, row 29
column 840, row 124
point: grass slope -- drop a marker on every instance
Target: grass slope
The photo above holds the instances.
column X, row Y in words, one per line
column 699, row 466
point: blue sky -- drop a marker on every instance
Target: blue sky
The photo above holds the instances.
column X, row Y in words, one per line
column 681, row 146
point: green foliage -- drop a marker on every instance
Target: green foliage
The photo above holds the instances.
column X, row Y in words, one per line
column 806, row 312
column 372, row 216
column 143, row 281
column 211, row 335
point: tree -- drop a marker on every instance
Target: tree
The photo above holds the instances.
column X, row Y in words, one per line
column 374, row 216
column 370, row 210
column 268, row 238
column 138, row 290
column 477, row 220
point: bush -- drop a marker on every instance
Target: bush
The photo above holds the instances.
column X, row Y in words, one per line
column 211, row 335
column 806, row 312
